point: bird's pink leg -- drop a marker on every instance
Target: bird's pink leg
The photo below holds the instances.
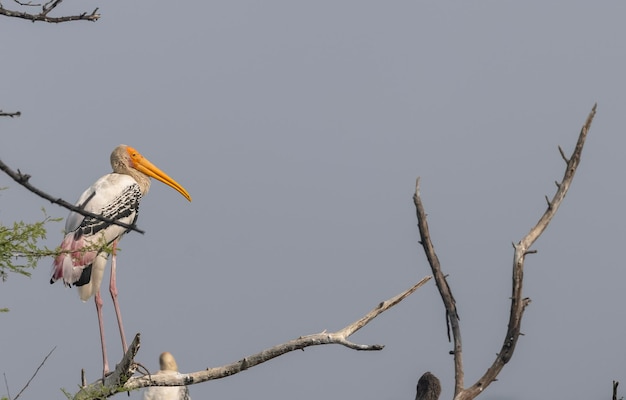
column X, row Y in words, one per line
column 113, row 290
column 105, row 362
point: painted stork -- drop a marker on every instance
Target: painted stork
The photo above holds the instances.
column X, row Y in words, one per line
column 88, row 241
column 168, row 367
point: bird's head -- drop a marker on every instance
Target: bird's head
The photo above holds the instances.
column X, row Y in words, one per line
column 167, row 362
column 125, row 157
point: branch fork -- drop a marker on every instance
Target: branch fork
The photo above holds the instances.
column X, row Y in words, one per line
column 518, row 302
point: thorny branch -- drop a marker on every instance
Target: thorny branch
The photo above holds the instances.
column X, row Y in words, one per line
column 22, row 179
column 518, row 303
column 45, row 10
column 121, row 379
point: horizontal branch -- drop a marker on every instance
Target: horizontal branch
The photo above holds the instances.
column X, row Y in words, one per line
column 44, row 17
column 121, row 380
column 22, row 179
column 10, row 114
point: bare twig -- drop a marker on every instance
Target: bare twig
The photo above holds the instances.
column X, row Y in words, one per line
column 22, row 179
column 120, row 380
column 6, row 384
column 452, row 316
column 10, row 114
column 45, row 10
column 518, row 302
column 27, row 3
column 34, row 374
column 615, row 385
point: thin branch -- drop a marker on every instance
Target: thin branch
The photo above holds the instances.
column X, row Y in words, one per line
column 10, row 114
column 563, row 187
column 121, row 379
column 615, row 385
column 563, row 156
column 45, row 9
column 22, row 179
column 35, row 374
column 6, row 384
column 518, row 302
column 49, row 6
column 452, row 316
column 27, row 3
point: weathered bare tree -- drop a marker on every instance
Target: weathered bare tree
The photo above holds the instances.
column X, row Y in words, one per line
column 518, row 302
column 123, row 379
column 43, row 15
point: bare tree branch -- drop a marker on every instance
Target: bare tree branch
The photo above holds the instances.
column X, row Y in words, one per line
column 518, row 303
column 27, row 3
column 22, row 179
column 45, row 10
column 10, row 114
column 35, row 373
column 121, row 380
column 452, row 316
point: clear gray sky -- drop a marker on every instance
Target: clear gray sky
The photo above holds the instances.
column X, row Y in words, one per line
column 299, row 129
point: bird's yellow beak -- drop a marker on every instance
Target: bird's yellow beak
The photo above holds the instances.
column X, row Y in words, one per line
column 141, row 164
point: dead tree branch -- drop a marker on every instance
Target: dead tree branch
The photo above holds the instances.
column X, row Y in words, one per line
column 452, row 316
column 518, row 302
column 45, row 10
column 22, row 179
column 10, row 114
column 35, row 373
column 121, row 380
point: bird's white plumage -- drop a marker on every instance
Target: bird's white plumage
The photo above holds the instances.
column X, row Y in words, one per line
column 168, row 367
column 115, row 196
column 166, row 392
column 102, row 195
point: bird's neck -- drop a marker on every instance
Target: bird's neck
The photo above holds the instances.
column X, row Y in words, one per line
column 142, row 180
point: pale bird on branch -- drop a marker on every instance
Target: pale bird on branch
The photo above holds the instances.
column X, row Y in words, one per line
column 168, row 367
column 88, row 241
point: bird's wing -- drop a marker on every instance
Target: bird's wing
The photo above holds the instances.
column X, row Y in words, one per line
column 114, row 196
